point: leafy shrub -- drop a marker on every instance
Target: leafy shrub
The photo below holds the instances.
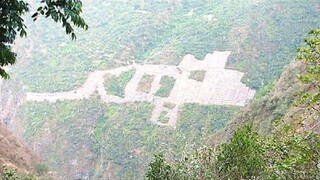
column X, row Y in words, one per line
column 242, row 157
column 249, row 155
column 310, row 57
column 159, row 169
column 9, row 174
column 12, row 174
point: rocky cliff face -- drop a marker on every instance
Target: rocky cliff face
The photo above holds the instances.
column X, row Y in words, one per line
column 15, row 154
column 10, row 100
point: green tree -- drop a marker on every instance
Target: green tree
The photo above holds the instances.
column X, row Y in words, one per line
column 12, row 24
column 285, row 154
column 309, row 56
column 291, row 155
column 242, row 157
column 159, row 169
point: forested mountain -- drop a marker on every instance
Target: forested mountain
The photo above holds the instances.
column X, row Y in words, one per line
column 81, row 134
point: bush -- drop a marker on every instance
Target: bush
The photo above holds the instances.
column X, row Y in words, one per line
column 159, row 169
column 242, row 157
column 248, row 155
column 12, row 174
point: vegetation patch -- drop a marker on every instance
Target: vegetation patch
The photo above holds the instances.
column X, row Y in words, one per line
column 199, row 121
column 163, row 118
column 197, row 75
column 166, row 85
column 116, row 85
column 247, row 155
column 41, row 168
column 9, row 173
column 145, row 83
column 169, row 105
column 113, row 132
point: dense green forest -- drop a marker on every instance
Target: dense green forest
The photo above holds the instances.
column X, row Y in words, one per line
column 117, row 139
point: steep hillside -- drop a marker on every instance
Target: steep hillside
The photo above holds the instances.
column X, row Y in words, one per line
column 276, row 136
column 15, row 155
column 262, row 36
column 278, row 101
column 81, row 135
column 273, row 102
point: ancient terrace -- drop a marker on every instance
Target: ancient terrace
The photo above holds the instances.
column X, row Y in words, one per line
column 216, row 86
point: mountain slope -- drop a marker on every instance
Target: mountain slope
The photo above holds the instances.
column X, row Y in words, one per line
column 81, row 139
column 275, row 102
column 14, row 154
column 286, row 142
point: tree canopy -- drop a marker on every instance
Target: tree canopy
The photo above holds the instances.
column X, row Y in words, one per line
column 310, row 78
column 12, row 24
column 248, row 155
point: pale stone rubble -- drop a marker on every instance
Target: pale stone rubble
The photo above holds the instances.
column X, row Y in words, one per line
column 220, row 86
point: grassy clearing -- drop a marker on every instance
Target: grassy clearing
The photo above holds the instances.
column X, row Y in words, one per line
column 197, row 75
column 166, row 85
column 163, row 118
column 145, row 83
column 116, row 85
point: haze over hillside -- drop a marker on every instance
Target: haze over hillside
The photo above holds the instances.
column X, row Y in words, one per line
column 147, row 77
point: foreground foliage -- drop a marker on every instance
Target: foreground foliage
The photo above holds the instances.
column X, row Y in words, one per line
column 248, row 155
column 310, row 57
column 12, row 23
column 9, row 173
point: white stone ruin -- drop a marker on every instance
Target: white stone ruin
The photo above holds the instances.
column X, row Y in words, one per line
column 220, row 86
